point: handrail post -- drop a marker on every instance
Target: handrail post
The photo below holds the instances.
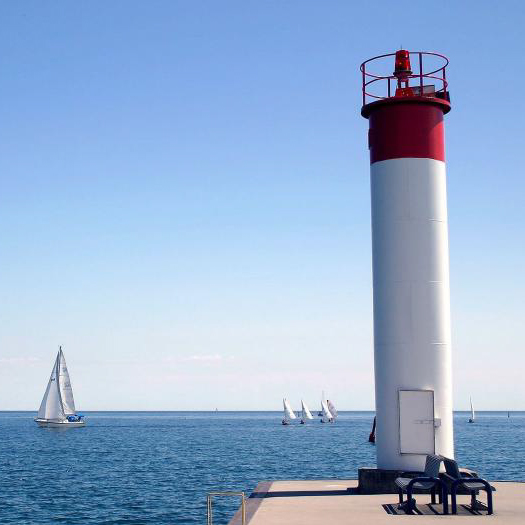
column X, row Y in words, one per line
column 364, row 84
column 421, row 73
column 227, row 493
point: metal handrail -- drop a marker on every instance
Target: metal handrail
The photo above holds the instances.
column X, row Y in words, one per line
column 363, row 65
column 370, row 78
column 226, row 493
column 420, row 77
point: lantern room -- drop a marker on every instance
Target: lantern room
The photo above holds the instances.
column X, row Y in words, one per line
column 417, row 76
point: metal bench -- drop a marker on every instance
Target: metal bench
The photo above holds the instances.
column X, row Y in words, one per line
column 428, row 481
column 472, row 484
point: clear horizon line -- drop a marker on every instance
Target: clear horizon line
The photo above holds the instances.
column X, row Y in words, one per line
column 239, row 410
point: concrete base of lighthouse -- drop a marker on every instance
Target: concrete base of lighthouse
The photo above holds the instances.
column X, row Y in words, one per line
column 377, row 481
column 373, row 480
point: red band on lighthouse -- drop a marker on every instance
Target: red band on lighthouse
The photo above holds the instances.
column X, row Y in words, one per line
column 403, row 129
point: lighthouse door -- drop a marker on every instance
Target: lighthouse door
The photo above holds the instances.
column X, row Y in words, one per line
column 416, row 422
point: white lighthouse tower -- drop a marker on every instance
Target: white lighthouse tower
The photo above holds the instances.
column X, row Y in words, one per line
column 412, row 350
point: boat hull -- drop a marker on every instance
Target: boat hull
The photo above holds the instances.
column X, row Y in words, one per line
column 59, row 424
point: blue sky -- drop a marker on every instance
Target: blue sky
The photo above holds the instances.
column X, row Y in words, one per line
column 185, row 202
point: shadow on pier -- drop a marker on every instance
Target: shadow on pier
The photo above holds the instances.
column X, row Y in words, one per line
column 302, row 493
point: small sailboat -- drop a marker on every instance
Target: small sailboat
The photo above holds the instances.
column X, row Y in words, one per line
column 288, row 412
column 327, row 416
column 332, row 409
column 305, row 413
column 372, row 436
column 320, row 413
column 58, row 406
column 472, row 415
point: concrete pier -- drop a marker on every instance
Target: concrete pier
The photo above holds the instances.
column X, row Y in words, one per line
column 336, row 502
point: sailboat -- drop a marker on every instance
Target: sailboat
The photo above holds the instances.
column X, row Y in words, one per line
column 332, row 409
column 288, row 412
column 472, row 415
column 327, row 415
column 305, row 413
column 320, row 413
column 58, row 406
column 372, row 435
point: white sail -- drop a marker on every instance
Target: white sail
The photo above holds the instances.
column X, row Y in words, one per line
column 472, row 415
column 51, row 406
column 305, row 413
column 332, row 409
column 326, row 412
column 288, row 412
column 66, row 392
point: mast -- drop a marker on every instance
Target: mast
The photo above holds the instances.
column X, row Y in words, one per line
column 57, row 372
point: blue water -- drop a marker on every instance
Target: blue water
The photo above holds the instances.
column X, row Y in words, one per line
column 134, row 468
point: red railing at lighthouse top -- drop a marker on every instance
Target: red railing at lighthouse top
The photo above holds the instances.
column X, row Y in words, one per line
column 408, row 84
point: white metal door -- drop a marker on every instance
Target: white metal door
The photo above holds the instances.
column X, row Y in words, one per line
column 416, row 422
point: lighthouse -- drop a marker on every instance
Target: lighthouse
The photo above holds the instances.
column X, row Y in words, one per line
column 410, row 257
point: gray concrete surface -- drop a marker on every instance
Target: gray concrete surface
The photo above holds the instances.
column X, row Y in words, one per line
column 329, row 502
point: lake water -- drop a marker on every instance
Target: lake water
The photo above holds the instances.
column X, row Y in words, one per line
column 157, row 467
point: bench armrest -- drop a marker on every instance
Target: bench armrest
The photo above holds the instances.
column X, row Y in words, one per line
column 447, row 477
column 456, row 483
column 424, row 479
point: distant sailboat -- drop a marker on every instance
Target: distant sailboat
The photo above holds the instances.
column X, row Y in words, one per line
column 288, row 412
column 58, row 406
column 372, row 435
column 472, row 415
column 327, row 416
column 320, row 413
column 305, row 413
column 332, row 409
